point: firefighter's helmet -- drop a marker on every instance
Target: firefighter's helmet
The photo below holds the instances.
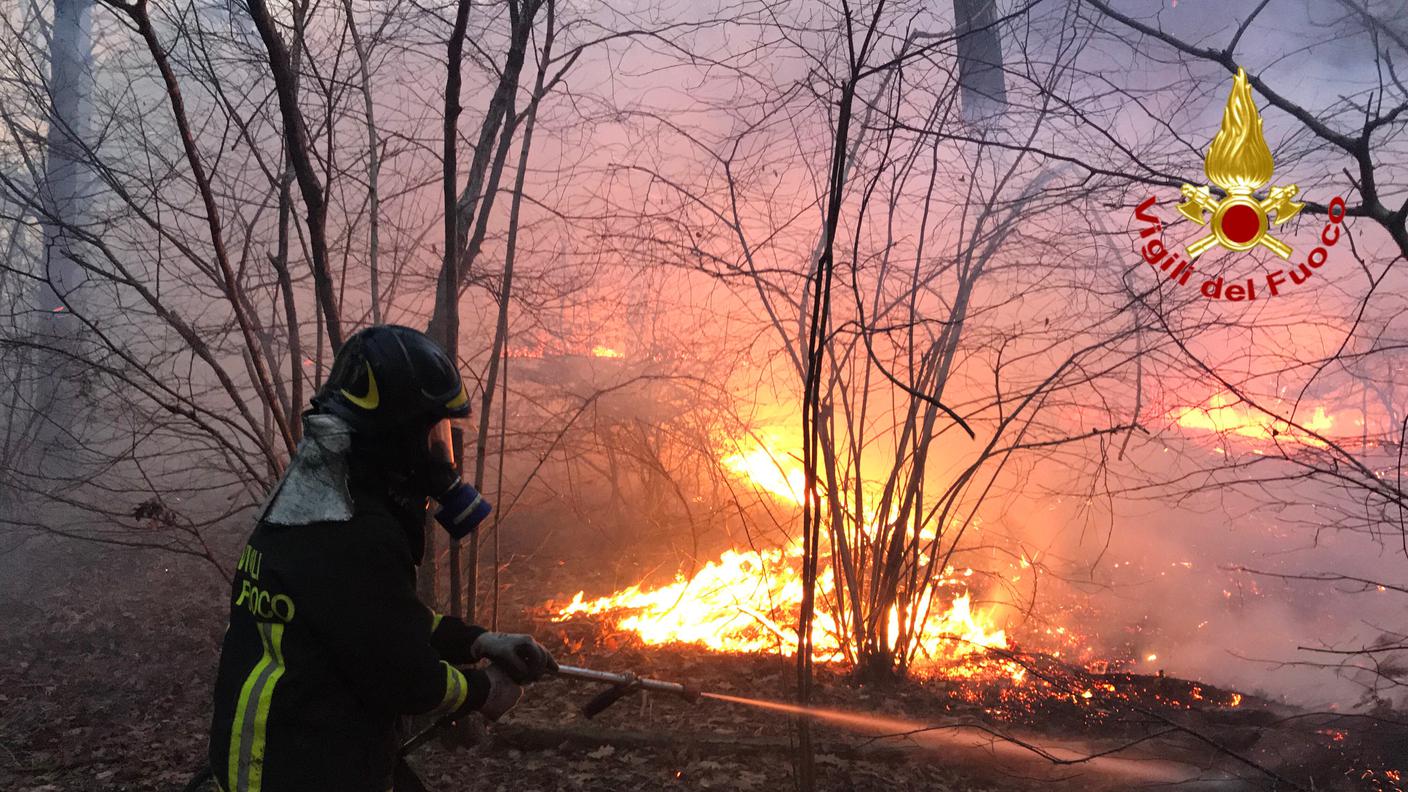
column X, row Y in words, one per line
column 389, row 379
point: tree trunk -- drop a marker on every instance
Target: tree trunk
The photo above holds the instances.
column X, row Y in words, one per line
column 506, row 292
column 447, row 303
column 481, row 182
column 295, row 135
column 66, row 182
column 813, row 425
column 373, row 161
column 980, row 76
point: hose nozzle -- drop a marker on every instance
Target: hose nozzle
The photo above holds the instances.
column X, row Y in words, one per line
column 622, row 685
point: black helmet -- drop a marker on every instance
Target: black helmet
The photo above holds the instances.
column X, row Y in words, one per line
column 389, row 379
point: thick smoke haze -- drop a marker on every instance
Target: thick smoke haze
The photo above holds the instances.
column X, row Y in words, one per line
column 674, row 221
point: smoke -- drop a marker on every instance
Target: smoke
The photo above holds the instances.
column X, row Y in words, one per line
column 670, row 291
column 1192, row 589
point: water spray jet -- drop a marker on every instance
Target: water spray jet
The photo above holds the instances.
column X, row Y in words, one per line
column 623, row 684
column 953, row 738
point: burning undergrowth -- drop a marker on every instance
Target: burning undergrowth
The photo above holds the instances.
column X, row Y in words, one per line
column 1050, row 713
column 963, row 657
column 746, row 601
column 742, row 602
column 975, row 658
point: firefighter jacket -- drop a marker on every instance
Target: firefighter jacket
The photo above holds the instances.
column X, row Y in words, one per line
column 328, row 646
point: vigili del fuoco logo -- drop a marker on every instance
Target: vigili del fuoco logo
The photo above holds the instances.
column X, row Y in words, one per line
column 1239, row 165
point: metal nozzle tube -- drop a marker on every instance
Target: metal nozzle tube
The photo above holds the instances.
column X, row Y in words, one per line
column 627, row 679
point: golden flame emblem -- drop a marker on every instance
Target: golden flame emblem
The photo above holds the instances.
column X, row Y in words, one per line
column 1239, row 163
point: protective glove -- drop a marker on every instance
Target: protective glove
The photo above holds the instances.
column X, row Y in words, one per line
column 524, row 659
column 504, row 693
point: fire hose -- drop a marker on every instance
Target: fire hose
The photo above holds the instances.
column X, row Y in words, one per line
column 620, row 686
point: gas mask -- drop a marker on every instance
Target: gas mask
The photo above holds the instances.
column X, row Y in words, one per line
column 462, row 508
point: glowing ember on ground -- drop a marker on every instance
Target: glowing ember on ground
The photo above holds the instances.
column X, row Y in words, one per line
column 605, row 352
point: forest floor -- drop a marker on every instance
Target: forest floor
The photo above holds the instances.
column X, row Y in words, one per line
column 105, row 684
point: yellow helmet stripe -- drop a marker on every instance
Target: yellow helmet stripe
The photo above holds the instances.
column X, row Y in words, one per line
column 372, row 397
column 460, row 400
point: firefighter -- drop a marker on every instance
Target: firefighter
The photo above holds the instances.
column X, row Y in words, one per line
column 328, row 645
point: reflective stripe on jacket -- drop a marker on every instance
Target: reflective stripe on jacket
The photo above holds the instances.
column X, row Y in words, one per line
column 327, row 647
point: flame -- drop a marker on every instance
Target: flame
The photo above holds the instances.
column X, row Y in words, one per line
column 1239, row 160
column 724, row 607
column 748, row 600
column 766, row 473
column 783, row 478
column 1225, row 415
column 537, row 349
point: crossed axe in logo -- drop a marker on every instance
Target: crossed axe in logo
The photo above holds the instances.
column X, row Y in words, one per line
column 1240, row 221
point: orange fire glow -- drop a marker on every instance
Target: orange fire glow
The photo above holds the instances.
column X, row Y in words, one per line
column 1226, row 415
column 747, row 601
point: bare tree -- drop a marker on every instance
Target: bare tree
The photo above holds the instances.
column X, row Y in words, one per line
column 202, row 328
column 1321, row 476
